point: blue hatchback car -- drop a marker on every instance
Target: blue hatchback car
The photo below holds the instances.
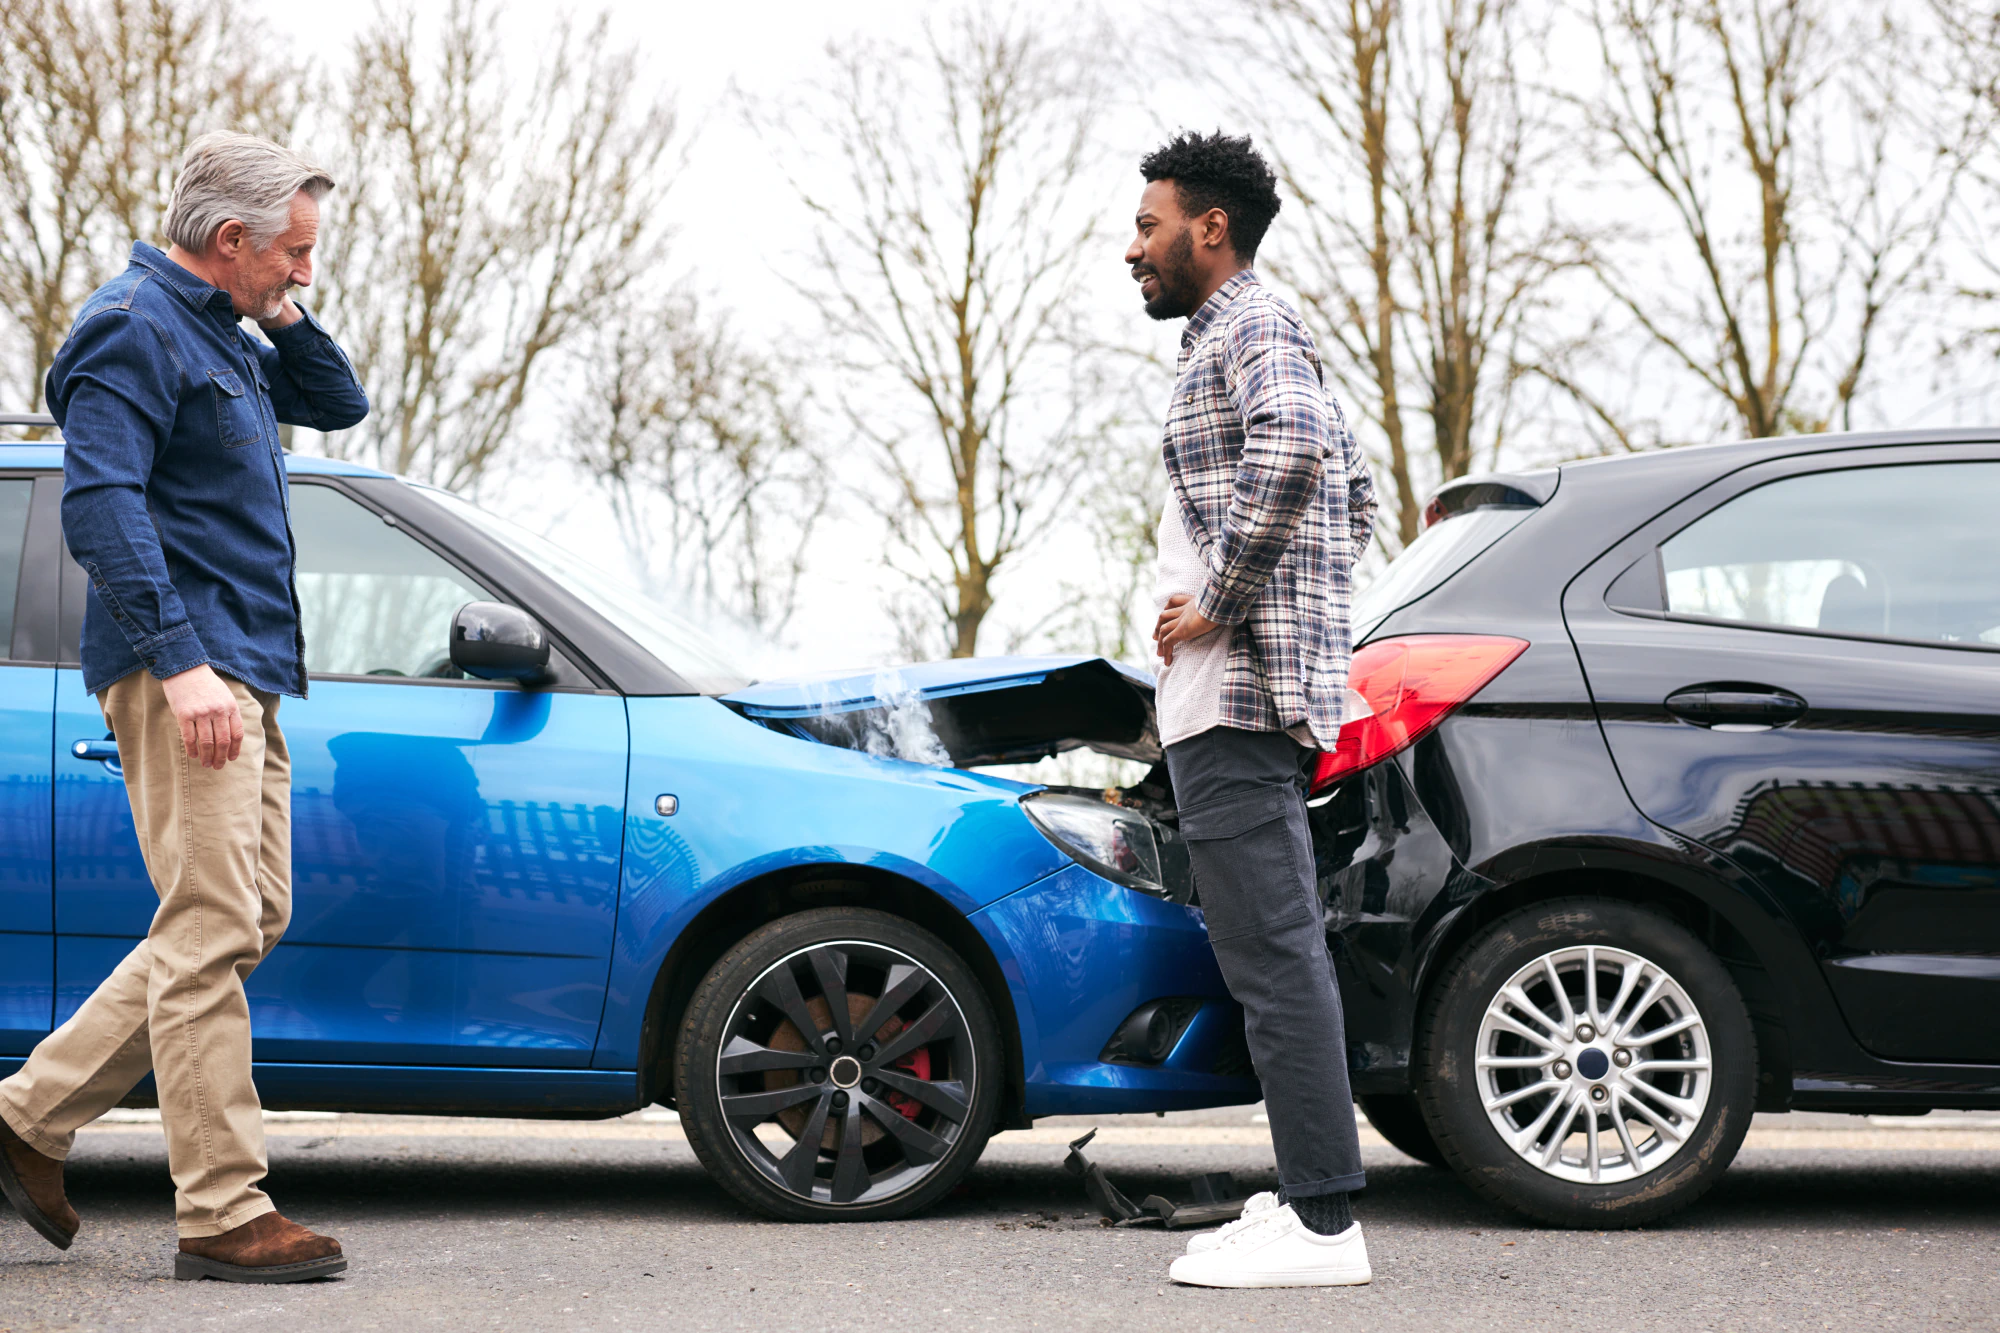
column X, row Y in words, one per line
column 635, row 877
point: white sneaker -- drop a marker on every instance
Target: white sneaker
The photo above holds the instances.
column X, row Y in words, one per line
column 1252, row 1206
column 1275, row 1249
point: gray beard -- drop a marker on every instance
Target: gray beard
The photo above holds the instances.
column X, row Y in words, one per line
column 273, row 304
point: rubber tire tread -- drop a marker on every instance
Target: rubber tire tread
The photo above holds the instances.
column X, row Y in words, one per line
column 1457, row 1119
column 1397, row 1118
column 708, row 1011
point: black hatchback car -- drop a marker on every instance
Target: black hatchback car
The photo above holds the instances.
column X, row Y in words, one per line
column 1681, row 800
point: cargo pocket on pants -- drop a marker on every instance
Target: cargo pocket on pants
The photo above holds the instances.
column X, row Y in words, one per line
column 1248, row 864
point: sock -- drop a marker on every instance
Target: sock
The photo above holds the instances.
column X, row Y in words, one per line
column 1324, row 1214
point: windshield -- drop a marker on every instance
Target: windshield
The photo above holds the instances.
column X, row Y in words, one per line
column 692, row 654
column 1439, row 551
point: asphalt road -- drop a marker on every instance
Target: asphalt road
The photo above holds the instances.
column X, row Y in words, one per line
column 1824, row 1222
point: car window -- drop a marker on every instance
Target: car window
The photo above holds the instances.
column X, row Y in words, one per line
column 689, row 651
column 1439, row 551
column 373, row 600
column 1905, row 552
column 14, row 496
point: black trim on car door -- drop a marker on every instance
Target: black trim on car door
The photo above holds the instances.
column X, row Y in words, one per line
column 36, row 633
column 603, row 649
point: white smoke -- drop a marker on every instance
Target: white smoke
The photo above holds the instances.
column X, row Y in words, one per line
column 901, row 727
column 896, row 726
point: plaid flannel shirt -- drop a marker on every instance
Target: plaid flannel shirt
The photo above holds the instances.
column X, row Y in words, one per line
column 1280, row 504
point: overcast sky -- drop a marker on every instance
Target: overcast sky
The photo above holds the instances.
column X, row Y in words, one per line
column 737, row 224
column 738, row 227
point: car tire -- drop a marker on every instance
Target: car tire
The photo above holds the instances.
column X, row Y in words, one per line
column 1398, row 1118
column 1666, row 1092
column 896, row 1104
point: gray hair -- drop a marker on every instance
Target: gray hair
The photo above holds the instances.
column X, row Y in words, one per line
column 238, row 176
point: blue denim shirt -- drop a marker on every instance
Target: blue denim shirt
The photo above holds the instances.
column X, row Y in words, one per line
column 174, row 494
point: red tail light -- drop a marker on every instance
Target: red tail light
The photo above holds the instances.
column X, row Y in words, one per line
column 1412, row 683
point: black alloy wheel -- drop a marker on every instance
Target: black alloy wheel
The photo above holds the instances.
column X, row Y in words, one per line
column 838, row 1065
column 1397, row 1118
column 1587, row 1062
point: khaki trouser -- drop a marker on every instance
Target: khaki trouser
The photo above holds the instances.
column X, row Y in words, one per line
column 218, row 845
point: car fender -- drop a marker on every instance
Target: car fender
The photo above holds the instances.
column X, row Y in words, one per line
column 750, row 803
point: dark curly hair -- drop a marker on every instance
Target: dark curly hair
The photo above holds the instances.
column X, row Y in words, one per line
column 1217, row 171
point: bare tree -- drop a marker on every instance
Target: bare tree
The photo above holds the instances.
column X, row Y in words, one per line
column 483, row 222
column 945, row 272
column 98, row 101
column 1412, row 150
column 1796, row 200
column 703, row 447
column 1971, row 78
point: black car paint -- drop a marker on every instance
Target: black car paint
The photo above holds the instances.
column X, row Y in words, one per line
column 1516, row 796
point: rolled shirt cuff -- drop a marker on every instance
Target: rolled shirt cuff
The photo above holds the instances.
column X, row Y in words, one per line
column 1219, row 608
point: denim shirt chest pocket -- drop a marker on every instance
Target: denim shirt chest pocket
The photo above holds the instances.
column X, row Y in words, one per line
column 239, row 418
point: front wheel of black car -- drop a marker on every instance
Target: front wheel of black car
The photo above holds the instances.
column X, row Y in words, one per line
column 840, row 1065
column 1587, row 1062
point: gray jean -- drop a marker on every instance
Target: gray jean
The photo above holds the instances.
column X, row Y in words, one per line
column 1242, row 805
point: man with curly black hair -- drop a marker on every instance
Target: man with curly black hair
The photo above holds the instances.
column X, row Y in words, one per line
column 1270, row 505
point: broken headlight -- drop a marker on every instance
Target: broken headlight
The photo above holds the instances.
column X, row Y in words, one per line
column 1118, row 844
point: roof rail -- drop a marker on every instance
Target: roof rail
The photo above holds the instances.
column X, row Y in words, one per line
column 19, row 419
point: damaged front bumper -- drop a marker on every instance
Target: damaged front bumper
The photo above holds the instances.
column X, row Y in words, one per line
column 1082, row 957
column 1118, row 1000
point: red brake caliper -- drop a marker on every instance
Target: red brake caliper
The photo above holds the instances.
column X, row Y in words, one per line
column 917, row 1064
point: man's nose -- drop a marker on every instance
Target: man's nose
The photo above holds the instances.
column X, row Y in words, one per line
column 1135, row 251
column 302, row 272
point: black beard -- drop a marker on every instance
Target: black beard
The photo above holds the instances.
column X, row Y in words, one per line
column 1178, row 284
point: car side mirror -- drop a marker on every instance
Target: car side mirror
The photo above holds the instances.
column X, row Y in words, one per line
column 495, row 642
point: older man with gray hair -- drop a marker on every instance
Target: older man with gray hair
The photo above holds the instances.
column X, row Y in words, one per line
column 175, row 504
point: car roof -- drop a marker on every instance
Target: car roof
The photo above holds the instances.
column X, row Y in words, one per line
column 41, row 454
column 1729, row 456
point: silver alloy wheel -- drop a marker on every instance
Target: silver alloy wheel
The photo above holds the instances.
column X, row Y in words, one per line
column 1593, row 1065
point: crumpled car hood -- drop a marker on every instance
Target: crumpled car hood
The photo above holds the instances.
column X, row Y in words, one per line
column 981, row 710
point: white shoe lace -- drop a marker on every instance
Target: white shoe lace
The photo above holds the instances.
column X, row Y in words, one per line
column 1250, row 1229
column 1254, row 1208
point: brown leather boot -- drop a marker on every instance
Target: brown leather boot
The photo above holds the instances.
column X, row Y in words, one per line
column 33, row 1184
column 267, row 1248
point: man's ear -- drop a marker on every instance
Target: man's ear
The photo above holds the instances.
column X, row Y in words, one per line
column 229, row 238
column 1214, row 228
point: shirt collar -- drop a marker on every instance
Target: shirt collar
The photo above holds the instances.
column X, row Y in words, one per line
column 1211, row 309
column 193, row 290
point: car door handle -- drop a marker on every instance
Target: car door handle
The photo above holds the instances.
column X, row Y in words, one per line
column 1735, row 706
column 103, row 752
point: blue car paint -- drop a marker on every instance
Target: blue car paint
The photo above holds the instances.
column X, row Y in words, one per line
column 752, row 801
column 1079, row 954
column 455, row 871
column 486, row 982
column 27, row 948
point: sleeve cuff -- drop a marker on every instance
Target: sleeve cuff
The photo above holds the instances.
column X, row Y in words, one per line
column 177, row 650
column 307, row 332
column 1220, row 609
column 295, row 330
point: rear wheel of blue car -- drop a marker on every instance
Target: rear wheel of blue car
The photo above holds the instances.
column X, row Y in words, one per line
column 839, row 1065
